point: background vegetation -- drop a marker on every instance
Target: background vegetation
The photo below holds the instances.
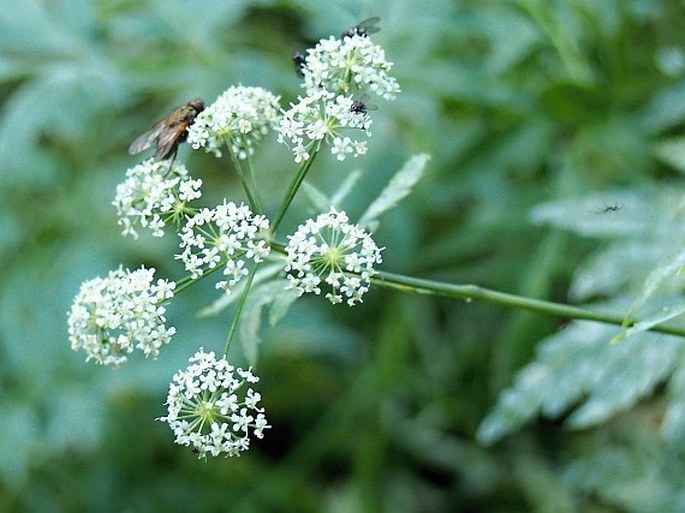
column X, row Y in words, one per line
column 556, row 134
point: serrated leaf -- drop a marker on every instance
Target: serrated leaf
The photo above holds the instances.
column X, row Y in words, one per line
column 664, row 314
column 615, row 268
column 611, row 214
column 636, row 473
column 631, row 374
column 319, row 199
column 282, row 303
column 673, row 426
column 346, row 187
column 322, row 202
column 264, row 273
column 399, row 187
column 578, row 368
column 666, row 271
column 250, row 322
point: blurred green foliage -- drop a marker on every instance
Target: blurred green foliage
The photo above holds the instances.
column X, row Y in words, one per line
column 540, row 115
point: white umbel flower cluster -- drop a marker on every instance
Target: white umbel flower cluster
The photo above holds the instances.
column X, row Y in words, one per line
column 112, row 316
column 239, row 118
column 322, row 116
column 153, row 194
column 353, row 65
column 212, row 407
column 329, row 250
column 227, row 235
column 339, row 75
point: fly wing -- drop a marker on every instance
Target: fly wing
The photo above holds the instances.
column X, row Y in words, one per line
column 146, row 140
column 168, row 139
column 370, row 25
column 365, row 28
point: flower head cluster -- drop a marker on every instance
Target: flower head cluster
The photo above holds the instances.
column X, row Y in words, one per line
column 353, row 65
column 329, row 249
column 152, row 195
column 322, row 116
column 112, row 316
column 339, row 73
column 239, row 117
column 223, row 236
column 212, row 407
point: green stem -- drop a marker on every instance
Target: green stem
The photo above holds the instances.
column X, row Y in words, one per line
column 258, row 209
column 241, row 306
column 247, row 180
column 187, row 282
column 294, row 186
column 471, row 292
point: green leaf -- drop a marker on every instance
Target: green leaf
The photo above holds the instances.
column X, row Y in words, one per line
column 574, row 103
column 673, row 426
column 577, row 369
column 346, row 187
column 258, row 300
column 400, row 185
column 672, row 152
column 612, row 214
column 318, row 198
column 666, row 313
column 631, row 470
column 264, row 273
column 667, row 108
column 615, row 268
column 665, row 275
column 281, row 304
column 322, row 202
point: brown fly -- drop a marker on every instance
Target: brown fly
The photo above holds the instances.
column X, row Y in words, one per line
column 169, row 132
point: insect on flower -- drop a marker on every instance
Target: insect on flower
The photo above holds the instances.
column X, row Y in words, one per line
column 361, row 107
column 365, row 28
column 300, row 61
column 169, row 132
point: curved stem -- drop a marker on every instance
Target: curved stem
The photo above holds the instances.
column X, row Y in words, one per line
column 471, row 292
column 294, row 186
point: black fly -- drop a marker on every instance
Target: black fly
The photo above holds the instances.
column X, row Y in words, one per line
column 365, row 28
column 300, row 61
column 361, row 107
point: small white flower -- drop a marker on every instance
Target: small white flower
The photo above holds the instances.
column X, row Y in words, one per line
column 211, row 408
column 349, row 66
column 153, row 194
column 239, row 118
column 322, row 117
column 112, row 316
column 227, row 236
column 329, row 250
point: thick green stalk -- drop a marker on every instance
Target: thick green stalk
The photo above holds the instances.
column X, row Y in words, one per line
column 474, row 292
